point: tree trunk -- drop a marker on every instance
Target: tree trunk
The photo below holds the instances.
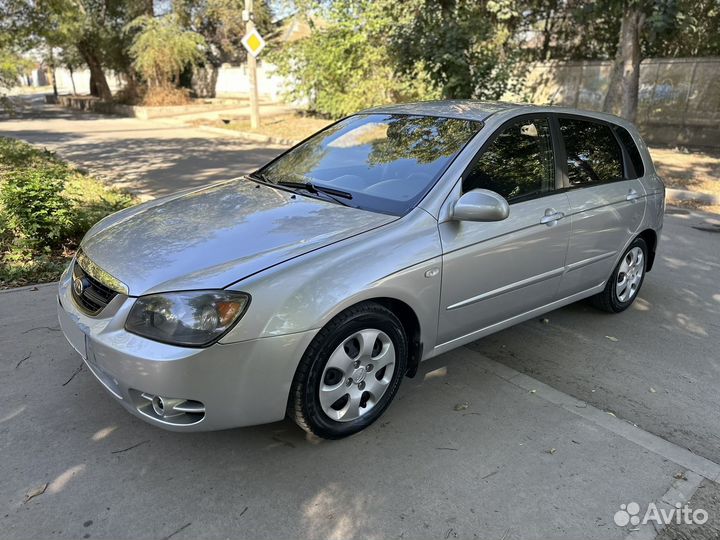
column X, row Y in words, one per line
column 204, row 80
column 72, row 80
column 51, row 72
column 622, row 95
column 98, row 83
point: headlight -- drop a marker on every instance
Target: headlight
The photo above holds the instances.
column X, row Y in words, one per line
column 193, row 318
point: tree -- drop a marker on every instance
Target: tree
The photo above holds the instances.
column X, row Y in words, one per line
column 221, row 23
column 626, row 31
column 463, row 45
column 347, row 64
column 12, row 66
column 624, row 83
column 162, row 49
column 373, row 52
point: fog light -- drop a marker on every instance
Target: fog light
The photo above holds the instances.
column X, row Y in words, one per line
column 158, row 405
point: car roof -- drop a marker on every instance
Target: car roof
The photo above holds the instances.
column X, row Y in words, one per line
column 469, row 109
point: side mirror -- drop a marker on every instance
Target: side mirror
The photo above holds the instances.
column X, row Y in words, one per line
column 481, row 205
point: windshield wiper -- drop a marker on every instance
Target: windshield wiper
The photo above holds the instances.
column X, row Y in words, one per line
column 332, row 193
column 307, row 186
column 314, row 188
column 258, row 177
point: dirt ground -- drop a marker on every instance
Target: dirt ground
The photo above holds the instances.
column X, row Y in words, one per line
column 691, row 170
column 294, row 127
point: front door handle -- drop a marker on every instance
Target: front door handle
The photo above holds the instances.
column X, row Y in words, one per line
column 632, row 195
column 551, row 216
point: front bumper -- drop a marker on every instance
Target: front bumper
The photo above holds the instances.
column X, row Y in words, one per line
column 238, row 384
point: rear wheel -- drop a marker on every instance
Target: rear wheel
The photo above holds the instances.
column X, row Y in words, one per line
column 623, row 286
column 350, row 372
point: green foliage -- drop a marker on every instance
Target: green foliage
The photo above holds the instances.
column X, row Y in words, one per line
column 34, row 203
column 220, row 22
column 375, row 52
column 12, row 66
column 348, row 64
column 464, row 45
column 45, row 208
column 162, row 48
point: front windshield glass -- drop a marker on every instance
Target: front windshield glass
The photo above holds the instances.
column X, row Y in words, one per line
column 380, row 162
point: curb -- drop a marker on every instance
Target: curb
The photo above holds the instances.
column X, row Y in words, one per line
column 681, row 195
column 28, row 287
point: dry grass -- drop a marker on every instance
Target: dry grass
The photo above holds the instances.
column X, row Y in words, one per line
column 694, row 171
column 294, row 127
column 164, row 97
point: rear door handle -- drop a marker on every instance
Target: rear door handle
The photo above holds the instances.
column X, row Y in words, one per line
column 551, row 216
column 632, row 195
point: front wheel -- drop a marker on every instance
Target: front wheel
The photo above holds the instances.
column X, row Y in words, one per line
column 350, row 372
column 624, row 284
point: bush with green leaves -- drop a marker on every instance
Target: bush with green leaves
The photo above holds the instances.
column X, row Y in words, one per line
column 35, row 207
column 46, row 206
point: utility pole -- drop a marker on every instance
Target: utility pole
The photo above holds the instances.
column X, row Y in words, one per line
column 252, row 69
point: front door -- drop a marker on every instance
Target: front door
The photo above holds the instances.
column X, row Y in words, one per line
column 495, row 271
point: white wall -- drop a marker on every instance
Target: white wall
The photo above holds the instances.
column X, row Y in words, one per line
column 234, row 80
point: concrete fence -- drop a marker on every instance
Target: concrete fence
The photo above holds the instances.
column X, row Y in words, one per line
column 679, row 98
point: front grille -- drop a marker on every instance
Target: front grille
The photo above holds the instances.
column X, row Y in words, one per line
column 93, row 295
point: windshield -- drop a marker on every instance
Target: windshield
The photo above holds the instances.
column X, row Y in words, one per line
column 380, row 162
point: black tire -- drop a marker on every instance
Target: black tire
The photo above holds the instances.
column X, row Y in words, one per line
column 304, row 401
column 608, row 300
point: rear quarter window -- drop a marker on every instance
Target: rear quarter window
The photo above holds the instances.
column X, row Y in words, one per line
column 638, row 169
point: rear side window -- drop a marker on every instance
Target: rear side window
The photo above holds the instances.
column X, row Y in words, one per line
column 518, row 164
column 633, row 152
column 593, row 153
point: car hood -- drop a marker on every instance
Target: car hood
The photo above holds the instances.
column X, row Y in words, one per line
column 215, row 236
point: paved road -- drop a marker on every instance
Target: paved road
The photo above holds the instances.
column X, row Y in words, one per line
column 519, row 462
column 150, row 157
column 663, row 372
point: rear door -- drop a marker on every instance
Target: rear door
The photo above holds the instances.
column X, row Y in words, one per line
column 607, row 200
column 495, row 271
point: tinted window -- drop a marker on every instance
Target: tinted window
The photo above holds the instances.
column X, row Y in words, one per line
column 593, row 154
column 632, row 150
column 518, row 164
column 387, row 162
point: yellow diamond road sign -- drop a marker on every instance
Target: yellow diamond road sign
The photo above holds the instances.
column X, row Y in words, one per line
column 253, row 42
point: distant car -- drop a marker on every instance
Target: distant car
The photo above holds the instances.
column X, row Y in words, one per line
column 311, row 287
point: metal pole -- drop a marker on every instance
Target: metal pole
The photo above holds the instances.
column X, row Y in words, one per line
column 252, row 72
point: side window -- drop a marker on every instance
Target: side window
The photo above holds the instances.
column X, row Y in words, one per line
column 632, row 150
column 593, row 154
column 518, row 164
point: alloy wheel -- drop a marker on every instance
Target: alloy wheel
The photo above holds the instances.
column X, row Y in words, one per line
column 630, row 274
column 357, row 375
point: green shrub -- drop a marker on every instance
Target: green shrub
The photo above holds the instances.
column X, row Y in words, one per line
column 45, row 208
column 34, row 205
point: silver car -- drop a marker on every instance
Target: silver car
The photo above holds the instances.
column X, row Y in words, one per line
column 313, row 286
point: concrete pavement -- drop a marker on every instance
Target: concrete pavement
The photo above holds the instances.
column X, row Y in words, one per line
column 520, row 461
column 151, row 157
column 657, row 364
